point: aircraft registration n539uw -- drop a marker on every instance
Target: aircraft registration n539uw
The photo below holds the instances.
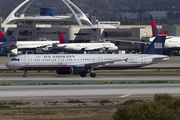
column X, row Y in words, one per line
column 84, row 46
column 87, row 63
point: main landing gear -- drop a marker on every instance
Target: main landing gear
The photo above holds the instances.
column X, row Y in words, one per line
column 25, row 71
column 92, row 73
column 83, row 75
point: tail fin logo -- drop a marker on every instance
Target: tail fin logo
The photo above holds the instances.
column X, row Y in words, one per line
column 153, row 26
column 158, row 45
column 2, row 37
column 61, row 37
column 12, row 39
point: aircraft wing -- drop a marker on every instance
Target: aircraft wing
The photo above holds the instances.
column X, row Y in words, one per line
column 61, row 46
column 95, row 49
column 96, row 64
column 130, row 41
column 32, row 46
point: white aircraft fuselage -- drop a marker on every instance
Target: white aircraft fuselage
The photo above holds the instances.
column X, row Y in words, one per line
column 88, row 46
column 172, row 42
column 82, row 63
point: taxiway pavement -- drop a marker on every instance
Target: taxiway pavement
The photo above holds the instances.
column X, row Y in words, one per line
column 86, row 91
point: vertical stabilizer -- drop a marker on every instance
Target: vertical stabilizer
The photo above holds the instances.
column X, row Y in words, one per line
column 7, row 45
column 13, row 38
column 62, row 39
column 154, row 27
column 3, row 38
column 157, row 46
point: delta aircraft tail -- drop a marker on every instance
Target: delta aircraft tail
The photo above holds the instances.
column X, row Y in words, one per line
column 3, row 38
column 157, row 46
column 154, row 27
column 8, row 44
column 62, row 39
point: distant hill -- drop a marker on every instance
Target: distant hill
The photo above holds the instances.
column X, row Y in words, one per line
column 107, row 8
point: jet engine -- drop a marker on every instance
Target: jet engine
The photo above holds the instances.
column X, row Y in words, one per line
column 71, row 70
column 1, row 50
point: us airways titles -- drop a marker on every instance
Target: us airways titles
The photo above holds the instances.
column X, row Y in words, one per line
column 58, row 56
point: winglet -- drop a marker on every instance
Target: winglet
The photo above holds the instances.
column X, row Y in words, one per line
column 157, row 46
column 62, row 39
column 154, row 27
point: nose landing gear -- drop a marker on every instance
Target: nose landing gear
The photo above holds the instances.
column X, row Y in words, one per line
column 25, row 71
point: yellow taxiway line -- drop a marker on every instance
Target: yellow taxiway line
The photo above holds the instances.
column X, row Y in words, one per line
column 4, row 81
column 125, row 95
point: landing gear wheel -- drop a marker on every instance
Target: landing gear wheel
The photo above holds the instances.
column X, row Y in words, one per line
column 25, row 71
column 83, row 75
column 93, row 74
column 24, row 76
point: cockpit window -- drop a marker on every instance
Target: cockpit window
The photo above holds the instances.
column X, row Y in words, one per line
column 14, row 59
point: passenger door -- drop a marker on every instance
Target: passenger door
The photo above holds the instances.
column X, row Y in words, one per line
column 143, row 59
column 59, row 60
column 26, row 58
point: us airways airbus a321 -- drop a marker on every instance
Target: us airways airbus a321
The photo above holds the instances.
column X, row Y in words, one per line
column 88, row 63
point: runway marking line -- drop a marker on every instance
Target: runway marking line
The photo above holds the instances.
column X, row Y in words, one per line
column 4, row 81
column 125, row 95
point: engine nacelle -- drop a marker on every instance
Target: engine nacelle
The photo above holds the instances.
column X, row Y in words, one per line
column 1, row 50
column 51, row 49
column 78, row 70
column 64, row 70
column 71, row 70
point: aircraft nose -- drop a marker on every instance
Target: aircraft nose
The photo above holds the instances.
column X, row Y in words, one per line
column 9, row 65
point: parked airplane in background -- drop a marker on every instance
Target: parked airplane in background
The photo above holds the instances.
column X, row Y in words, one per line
column 85, row 63
column 172, row 42
column 7, row 45
column 32, row 45
column 84, row 46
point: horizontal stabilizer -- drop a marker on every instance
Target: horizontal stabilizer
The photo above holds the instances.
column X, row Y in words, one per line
column 156, row 60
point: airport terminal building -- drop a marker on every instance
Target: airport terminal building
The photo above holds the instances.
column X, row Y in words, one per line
column 77, row 28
